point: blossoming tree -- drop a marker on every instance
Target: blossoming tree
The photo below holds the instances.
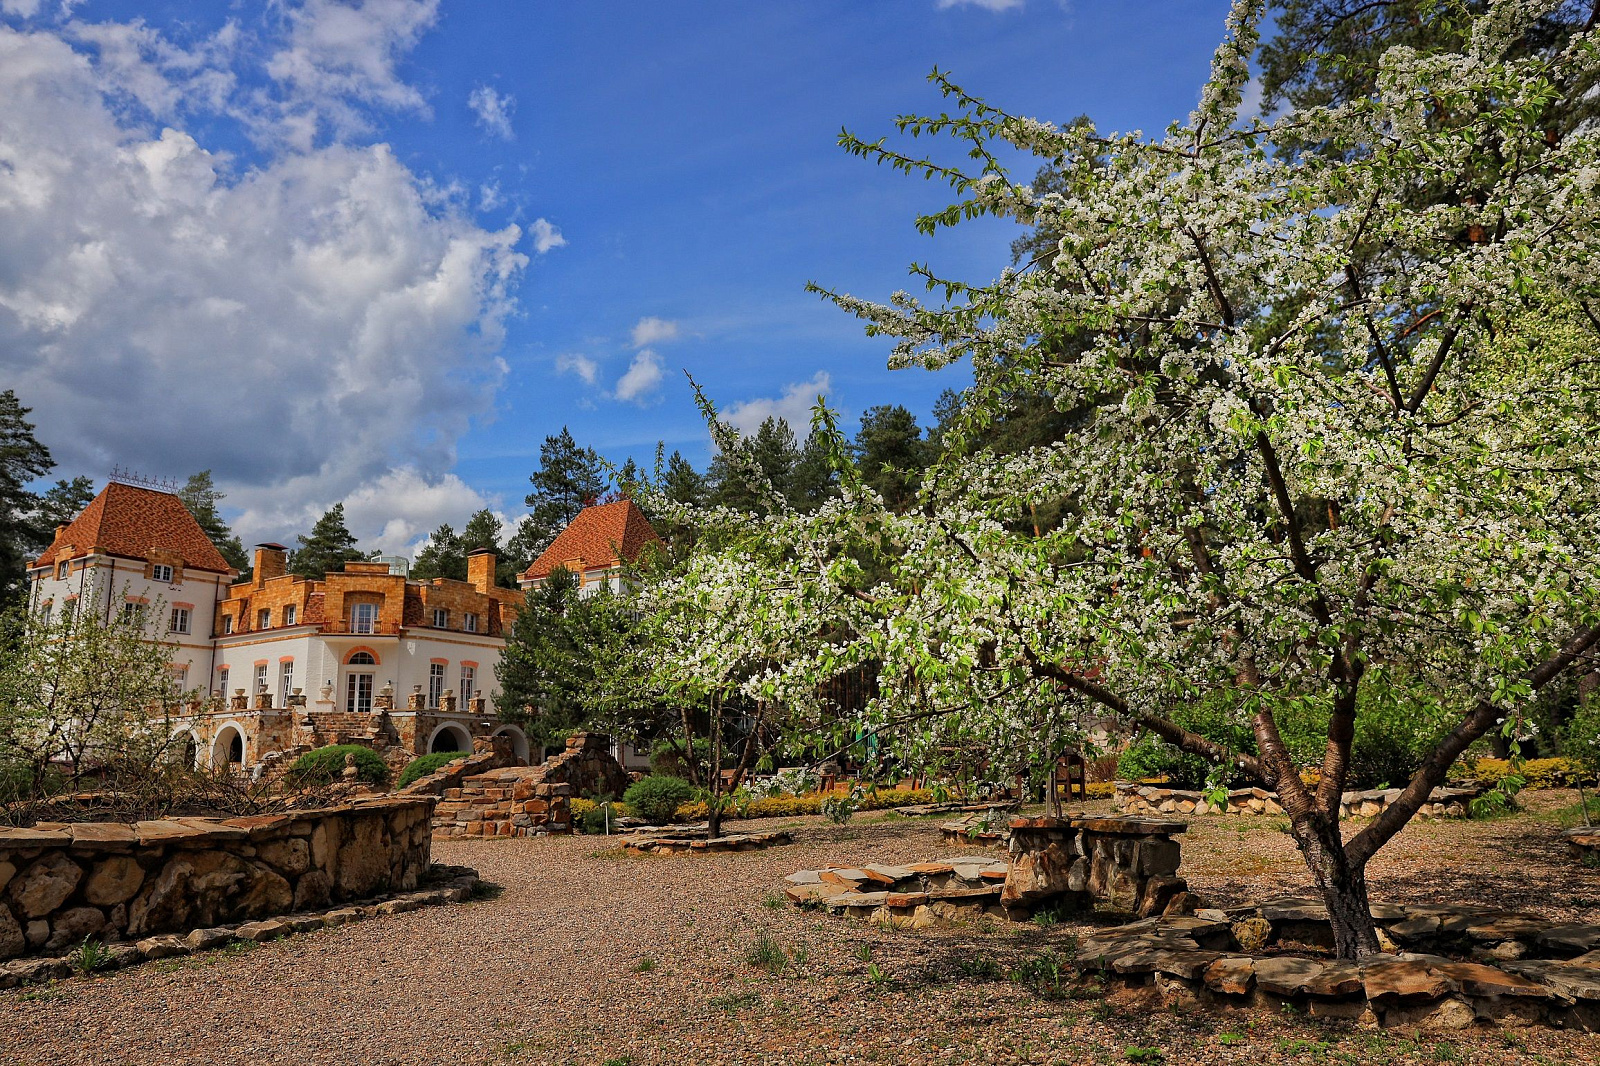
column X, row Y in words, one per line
column 1331, row 425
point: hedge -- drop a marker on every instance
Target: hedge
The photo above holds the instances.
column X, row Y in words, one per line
column 325, row 765
column 427, row 764
column 1556, row 772
column 808, row 803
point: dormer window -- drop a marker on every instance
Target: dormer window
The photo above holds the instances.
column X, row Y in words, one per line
column 227, row 623
column 264, row 618
column 161, row 572
column 289, row 615
column 363, row 618
column 63, row 568
column 469, row 622
column 441, row 618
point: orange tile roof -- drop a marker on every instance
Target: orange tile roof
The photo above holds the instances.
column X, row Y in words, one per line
column 132, row 522
column 603, row 535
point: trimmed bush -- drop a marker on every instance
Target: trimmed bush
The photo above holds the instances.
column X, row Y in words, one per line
column 427, row 764
column 325, row 765
column 657, row 798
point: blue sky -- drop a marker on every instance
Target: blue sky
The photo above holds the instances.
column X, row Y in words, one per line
column 670, row 170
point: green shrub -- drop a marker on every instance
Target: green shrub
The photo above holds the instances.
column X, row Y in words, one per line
column 596, row 815
column 427, row 764
column 325, row 765
column 657, row 798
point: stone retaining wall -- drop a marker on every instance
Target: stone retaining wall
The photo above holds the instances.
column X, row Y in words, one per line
column 1502, row 968
column 512, row 801
column 61, row 884
column 1584, row 844
column 1156, row 800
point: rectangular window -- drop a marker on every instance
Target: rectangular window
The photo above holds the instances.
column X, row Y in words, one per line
column 289, row 615
column 470, row 622
column 180, row 678
column 285, row 682
column 161, row 572
column 435, row 683
column 261, row 678
column 363, row 618
column 441, row 618
column 63, row 568
column 222, row 680
column 227, row 623
column 131, row 611
column 264, row 618
column 358, row 693
column 469, row 676
column 180, row 620
column 44, row 614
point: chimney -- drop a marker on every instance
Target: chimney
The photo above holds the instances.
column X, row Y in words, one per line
column 272, row 560
column 480, row 570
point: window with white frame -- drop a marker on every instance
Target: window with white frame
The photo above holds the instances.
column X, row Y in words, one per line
column 285, row 682
column 261, row 677
column 63, row 568
column 227, row 623
column 179, row 622
column 132, row 611
column 44, row 613
column 180, row 678
column 289, row 614
column 161, row 572
column 222, row 680
column 363, row 618
column 469, row 622
column 264, row 618
column 435, row 683
column 469, row 678
column 441, row 618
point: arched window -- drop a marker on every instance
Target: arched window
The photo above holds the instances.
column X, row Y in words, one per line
column 362, row 658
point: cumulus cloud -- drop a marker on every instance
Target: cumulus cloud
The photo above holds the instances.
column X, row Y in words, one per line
column 316, row 327
column 642, row 378
column 545, row 236
column 793, row 406
column 340, row 58
column 394, row 511
column 493, row 110
column 26, row 9
column 581, row 365
column 987, row 5
column 652, row 330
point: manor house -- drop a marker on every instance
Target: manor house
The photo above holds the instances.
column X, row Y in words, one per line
column 278, row 663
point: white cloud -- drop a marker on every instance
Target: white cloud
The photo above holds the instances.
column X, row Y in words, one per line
column 392, row 511
column 642, row 378
column 652, row 330
column 545, row 236
column 342, row 57
column 493, row 110
column 21, row 8
column 311, row 327
column 987, row 5
column 134, row 60
column 489, row 196
column 793, row 407
column 581, row 365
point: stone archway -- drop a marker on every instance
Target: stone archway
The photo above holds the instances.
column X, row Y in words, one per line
column 187, row 749
column 451, row 736
column 519, row 741
column 228, row 749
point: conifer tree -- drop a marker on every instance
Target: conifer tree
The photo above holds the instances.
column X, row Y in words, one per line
column 22, row 459
column 329, row 546
column 199, row 494
column 444, row 556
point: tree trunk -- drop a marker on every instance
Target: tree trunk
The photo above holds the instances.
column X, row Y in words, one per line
column 714, row 820
column 1344, row 892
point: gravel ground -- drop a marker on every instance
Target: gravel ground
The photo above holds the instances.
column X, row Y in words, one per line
column 594, row 958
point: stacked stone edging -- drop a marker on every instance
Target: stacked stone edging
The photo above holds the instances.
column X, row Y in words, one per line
column 61, row 884
column 1200, row 959
column 456, row 886
column 680, row 843
column 516, row 801
column 1584, row 844
column 1055, row 863
column 1156, row 800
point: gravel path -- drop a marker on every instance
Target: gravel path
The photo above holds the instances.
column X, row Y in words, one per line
column 594, row 958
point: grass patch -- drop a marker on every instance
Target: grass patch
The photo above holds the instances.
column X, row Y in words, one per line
column 773, row 901
column 89, row 956
column 735, row 1001
column 644, row 965
column 767, row 954
column 1143, row 1054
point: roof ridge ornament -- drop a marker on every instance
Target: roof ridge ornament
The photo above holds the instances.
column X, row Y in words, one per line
column 122, row 476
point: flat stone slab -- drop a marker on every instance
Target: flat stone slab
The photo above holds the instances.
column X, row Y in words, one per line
column 104, row 833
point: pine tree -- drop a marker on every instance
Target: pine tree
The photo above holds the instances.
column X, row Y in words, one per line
column 62, row 502
column 22, row 459
column 482, row 533
column 329, row 546
column 199, row 494
column 444, row 556
column 775, row 452
column 814, row 479
column 682, row 483
column 891, row 453
column 569, row 479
